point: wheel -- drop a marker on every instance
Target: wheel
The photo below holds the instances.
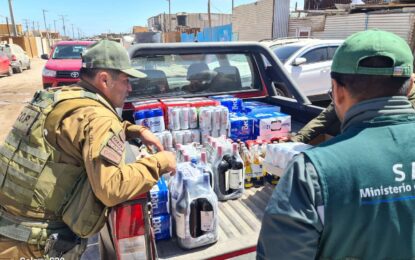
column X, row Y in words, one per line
column 28, row 66
column 19, row 69
column 10, row 72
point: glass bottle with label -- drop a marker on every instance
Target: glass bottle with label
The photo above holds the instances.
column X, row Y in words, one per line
column 223, row 171
column 236, row 178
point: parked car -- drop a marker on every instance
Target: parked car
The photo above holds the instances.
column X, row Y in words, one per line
column 308, row 61
column 5, row 66
column 64, row 63
column 18, row 57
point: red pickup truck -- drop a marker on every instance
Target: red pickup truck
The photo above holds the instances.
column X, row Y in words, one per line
column 64, row 63
column 252, row 72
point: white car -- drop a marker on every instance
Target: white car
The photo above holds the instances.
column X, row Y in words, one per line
column 308, row 61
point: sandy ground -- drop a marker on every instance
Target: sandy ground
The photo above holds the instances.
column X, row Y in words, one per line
column 15, row 92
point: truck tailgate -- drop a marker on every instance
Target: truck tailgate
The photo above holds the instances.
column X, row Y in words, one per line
column 239, row 226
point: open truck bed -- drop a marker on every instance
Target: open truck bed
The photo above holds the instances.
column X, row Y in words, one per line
column 239, row 226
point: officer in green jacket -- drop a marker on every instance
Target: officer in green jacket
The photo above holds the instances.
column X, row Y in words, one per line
column 353, row 197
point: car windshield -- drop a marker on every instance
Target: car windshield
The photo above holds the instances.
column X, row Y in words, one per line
column 192, row 74
column 68, row 51
column 284, row 52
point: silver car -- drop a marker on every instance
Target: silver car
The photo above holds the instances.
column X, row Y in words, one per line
column 17, row 56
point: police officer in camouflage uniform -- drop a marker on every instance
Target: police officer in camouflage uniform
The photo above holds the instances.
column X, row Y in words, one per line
column 62, row 164
column 353, row 197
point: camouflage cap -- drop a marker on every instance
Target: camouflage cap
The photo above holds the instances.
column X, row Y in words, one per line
column 107, row 54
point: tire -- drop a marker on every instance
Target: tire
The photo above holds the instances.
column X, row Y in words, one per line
column 19, row 69
column 28, row 66
column 10, row 72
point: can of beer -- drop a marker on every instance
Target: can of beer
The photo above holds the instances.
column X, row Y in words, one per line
column 215, row 133
column 175, row 118
column 204, row 134
column 167, row 140
column 223, row 132
column 224, row 117
column 216, row 113
column 178, row 137
column 160, row 137
column 205, row 118
column 195, row 136
column 187, row 137
column 192, row 117
column 184, row 118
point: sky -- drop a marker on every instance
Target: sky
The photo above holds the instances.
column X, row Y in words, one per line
column 93, row 17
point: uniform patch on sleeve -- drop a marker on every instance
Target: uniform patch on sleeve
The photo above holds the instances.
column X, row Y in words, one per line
column 110, row 155
column 116, row 144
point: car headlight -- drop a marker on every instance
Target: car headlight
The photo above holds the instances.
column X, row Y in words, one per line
column 49, row 73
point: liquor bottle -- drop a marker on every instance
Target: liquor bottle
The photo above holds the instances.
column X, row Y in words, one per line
column 245, row 154
column 181, row 213
column 223, row 172
column 206, row 215
column 236, row 171
column 194, row 219
column 204, row 167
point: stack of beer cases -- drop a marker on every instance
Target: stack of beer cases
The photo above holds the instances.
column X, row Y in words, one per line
column 161, row 217
column 186, row 122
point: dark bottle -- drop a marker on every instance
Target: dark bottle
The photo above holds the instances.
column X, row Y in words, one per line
column 236, row 171
column 182, row 205
column 206, row 215
column 223, row 172
column 194, row 219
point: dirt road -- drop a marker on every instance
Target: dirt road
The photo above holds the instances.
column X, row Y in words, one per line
column 15, row 92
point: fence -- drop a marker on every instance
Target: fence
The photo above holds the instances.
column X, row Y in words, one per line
column 221, row 33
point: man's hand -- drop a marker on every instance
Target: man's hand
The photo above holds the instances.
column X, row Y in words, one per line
column 149, row 139
column 171, row 160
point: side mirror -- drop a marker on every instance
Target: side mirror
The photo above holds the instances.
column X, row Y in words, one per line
column 44, row 56
column 299, row 61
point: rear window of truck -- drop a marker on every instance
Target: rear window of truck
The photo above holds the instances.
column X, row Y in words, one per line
column 186, row 74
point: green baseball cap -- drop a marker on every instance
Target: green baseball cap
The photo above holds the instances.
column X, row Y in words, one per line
column 107, row 54
column 372, row 43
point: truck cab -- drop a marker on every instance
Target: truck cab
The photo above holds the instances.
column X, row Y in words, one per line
column 63, row 63
column 246, row 70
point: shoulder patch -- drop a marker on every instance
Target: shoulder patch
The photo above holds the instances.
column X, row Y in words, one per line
column 116, row 144
column 110, row 155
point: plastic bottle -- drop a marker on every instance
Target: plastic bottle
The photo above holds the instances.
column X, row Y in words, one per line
column 205, row 167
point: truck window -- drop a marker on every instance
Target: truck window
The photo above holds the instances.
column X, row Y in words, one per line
column 187, row 74
column 68, row 51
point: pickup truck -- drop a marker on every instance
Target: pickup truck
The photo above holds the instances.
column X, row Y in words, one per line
column 250, row 71
column 63, row 63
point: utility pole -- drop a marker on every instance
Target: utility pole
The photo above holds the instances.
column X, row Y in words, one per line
column 232, row 5
column 12, row 17
column 54, row 24
column 33, row 28
column 46, row 28
column 28, row 39
column 73, row 33
column 210, row 21
column 169, row 16
column 8, row 26
column 41, row 40
column 63, row 24
column 79, row 34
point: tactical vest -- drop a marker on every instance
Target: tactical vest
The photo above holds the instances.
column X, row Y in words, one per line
column 34, row 183
column 366, row 180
